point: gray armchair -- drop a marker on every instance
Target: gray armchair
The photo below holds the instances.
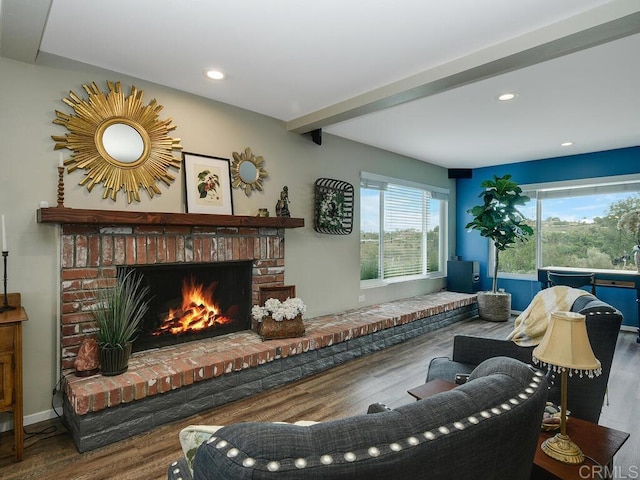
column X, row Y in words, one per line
column 585, row 395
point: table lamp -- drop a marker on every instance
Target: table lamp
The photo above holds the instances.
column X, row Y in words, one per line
column 565, row 348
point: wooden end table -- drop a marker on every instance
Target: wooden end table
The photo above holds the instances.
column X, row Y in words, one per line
column 431, row 388
column 598, row 442
column 11, row 367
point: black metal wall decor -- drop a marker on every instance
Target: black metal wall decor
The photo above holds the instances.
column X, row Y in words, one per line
column 333, row 207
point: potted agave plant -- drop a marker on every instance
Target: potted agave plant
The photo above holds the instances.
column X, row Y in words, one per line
column 499, row 219
column 118, row 314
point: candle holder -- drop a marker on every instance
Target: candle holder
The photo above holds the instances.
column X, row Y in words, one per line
column 60, row 187
column 5, row 304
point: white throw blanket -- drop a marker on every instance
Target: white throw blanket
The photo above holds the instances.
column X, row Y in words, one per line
column 531, row 324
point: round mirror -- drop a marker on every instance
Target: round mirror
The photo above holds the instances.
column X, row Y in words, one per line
column 247, row 172
column 118, row 141
column 123, row 142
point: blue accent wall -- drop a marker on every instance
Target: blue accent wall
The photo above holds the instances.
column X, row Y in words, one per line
column 471, row 246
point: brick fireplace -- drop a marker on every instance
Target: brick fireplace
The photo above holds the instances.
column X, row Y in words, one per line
column 91, row 254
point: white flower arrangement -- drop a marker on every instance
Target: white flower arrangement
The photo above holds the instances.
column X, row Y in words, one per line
column 630, row 222
column 331, row 210
column 279, row 311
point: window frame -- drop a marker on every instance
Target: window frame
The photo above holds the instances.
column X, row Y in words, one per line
column 543, row 190
column 438, row 193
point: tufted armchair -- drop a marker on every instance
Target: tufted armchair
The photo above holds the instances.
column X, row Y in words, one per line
column 487, row 428
column 585, row 395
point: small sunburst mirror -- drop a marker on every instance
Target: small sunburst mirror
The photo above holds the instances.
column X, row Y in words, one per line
column 247, row 172
column 120, row 142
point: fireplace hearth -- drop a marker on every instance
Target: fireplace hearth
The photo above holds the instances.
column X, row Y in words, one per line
column 193, row 301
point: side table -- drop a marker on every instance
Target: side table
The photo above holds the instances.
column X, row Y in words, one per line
column 598, row 442
column 11, row 368
column 431, row 388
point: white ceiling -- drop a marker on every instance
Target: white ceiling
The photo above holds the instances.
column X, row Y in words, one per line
column 416, row 77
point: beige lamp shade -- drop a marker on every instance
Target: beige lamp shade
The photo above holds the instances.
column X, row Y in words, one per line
column 565, row 345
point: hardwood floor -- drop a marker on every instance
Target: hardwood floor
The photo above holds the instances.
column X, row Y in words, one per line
column 342, row 391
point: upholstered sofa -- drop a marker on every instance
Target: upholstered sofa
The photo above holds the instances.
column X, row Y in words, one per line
column 487, row 428
column 585, row 395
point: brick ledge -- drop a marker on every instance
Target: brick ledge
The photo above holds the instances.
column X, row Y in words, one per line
column 159, row 371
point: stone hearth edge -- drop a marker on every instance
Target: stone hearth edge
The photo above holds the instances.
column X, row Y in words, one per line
column 182, row 380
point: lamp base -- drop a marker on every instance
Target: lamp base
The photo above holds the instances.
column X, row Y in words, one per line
column 563, row 449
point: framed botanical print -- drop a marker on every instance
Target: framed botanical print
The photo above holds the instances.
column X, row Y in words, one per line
column 208, row 184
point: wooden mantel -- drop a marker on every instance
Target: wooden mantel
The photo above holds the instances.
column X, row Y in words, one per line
column 65, row 215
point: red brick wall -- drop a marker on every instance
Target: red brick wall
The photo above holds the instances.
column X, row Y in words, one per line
column 90, row 254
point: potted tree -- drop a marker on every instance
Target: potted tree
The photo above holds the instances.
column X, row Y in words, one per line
column 118, row 314
column 499, row 219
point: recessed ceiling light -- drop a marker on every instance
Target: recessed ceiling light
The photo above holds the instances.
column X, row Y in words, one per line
column 214, row 74
column 566, row 144
column 505, row 97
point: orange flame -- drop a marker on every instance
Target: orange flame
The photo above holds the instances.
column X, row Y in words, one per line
column 198, row 310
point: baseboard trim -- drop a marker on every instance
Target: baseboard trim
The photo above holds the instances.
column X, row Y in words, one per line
column 30, row 419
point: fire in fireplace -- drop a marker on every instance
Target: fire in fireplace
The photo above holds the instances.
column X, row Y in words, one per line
column 194, row 301
column 198, row 310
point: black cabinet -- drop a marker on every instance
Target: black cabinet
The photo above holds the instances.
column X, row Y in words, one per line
column 463, row 276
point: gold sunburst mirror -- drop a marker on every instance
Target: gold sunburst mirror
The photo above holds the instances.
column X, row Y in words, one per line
column 120, row 142
column 247, row 172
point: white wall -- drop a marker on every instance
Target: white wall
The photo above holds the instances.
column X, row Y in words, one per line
column 324, row 268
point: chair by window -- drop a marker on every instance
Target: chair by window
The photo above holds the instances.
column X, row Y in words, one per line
column 575, row 280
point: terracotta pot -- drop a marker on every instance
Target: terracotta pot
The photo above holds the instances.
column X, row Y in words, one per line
column 114, row 360
column 494, row 307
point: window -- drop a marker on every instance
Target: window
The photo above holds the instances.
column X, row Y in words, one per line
column 401, row 229
column 575, row 225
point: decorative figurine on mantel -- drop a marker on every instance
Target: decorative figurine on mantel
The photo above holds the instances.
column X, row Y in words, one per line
column 282, row 207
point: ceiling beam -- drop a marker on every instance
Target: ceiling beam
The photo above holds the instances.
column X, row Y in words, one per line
column 603, row 24
column 23, row 23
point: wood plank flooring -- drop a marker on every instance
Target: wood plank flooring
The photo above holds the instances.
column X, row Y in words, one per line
column 345, row 390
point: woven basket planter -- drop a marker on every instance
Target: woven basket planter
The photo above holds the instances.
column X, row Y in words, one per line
column 269, row 329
